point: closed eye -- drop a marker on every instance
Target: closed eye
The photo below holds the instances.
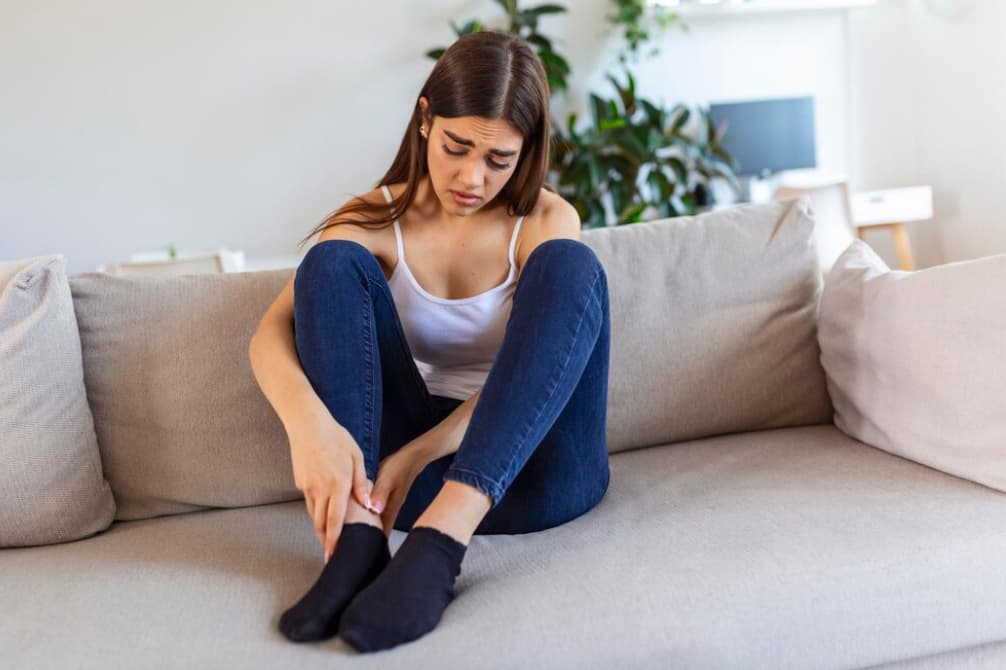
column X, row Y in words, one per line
column 498, row 166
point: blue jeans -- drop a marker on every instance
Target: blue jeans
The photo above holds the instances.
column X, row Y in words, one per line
column 535, row 443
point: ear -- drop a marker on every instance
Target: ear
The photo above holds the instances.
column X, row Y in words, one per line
column 424, row 107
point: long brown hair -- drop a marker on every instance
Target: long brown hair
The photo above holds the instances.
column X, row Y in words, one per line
column 487, row 74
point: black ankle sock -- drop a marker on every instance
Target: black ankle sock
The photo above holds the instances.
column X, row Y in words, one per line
column 361, row 552
column 408, row 598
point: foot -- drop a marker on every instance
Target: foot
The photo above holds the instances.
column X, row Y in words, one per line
column 408, row 598
column 360, row 554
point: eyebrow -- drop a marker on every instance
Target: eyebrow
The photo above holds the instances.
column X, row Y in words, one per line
column 469, row 143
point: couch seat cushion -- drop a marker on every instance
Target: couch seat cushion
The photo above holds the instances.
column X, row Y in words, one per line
column 785, row 548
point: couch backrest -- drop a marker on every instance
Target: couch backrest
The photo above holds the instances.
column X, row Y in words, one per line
column 713, row 331
column 713, row 324
column 181, row 422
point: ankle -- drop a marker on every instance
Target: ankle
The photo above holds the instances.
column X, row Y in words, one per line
column 357, row 513
column 456, row 511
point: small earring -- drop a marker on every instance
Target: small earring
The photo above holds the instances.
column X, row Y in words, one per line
column 422, row 131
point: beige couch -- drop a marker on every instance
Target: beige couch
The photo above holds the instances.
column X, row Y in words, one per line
column 742, row 528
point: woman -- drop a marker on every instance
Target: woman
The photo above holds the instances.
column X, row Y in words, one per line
column 503, row 430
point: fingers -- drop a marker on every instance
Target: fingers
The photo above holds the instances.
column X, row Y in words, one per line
column 388, row 479
column 379, row 496
column 394, row 504
column 319, row 514
column 309, row 502
column 336, row 514
column 361, row 484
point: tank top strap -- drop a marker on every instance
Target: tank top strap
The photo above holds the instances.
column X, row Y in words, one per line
column 398, row 231
column 513, row 239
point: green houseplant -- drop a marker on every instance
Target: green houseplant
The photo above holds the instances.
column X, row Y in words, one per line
column 638, row 156
column 523, row 22
column 642, row 23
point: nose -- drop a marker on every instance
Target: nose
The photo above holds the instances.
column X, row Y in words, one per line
column 470, row 175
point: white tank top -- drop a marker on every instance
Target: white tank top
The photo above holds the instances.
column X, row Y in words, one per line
column 453, row 341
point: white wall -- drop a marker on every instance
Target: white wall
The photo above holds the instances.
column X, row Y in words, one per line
column 228, row 124
column 928, row 107
column 205, row 123
column 762, row 56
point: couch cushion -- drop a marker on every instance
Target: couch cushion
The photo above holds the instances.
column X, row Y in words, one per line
column 916, row 361
column 713, row 324
column 51, row 484
column 181, row 422
column 789, row 548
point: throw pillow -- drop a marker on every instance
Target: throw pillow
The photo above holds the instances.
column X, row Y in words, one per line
column 52, row 488
column 916, row 360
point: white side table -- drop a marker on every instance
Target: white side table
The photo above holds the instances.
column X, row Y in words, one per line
column 892, row 209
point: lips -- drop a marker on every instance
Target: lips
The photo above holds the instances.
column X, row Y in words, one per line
column 464, row 201
column 466, row 196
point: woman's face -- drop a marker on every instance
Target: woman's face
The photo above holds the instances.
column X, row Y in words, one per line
column 470, row 155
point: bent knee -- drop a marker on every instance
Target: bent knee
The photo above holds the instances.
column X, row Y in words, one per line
column 565, row 257
column 329, row 258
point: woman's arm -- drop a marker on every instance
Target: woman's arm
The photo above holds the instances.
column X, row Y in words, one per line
column 276, row 367
column 445, row 437
column 328, row 464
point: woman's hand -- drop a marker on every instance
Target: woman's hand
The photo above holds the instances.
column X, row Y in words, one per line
column 395, row 475
column 328, row 467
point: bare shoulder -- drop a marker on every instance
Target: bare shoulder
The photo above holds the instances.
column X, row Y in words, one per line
column 351, row 225
column 552, row 217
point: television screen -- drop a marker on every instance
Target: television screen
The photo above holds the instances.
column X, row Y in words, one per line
column 767, row 136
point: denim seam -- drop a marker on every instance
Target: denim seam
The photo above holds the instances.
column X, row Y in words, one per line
column 497, row 489
column 369, row 402
column 551, row 393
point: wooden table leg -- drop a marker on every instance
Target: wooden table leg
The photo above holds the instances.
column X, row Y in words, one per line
column 902, row 246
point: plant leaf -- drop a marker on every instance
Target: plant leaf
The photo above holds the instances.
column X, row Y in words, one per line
column 679, row 169
column 598, row 109
column 630, row 213
column 546, row 9
column 679, row 117
column 540, row 41
column 612, row 124
column 654, row 114
column 554, row 62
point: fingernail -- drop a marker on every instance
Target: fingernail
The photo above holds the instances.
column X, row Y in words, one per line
column 379, row 507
